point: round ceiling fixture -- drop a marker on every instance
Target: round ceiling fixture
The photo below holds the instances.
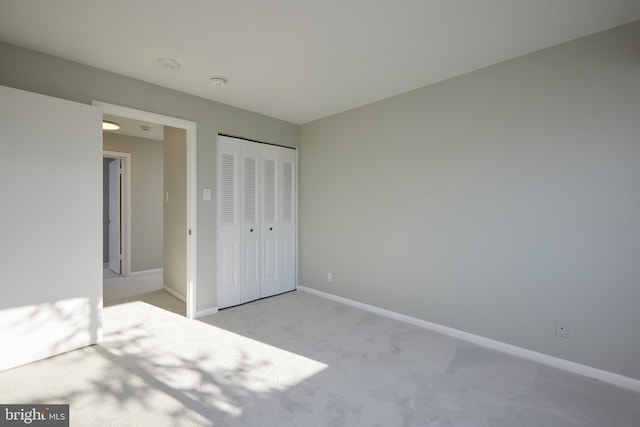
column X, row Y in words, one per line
column 145, row 128
column 168, row 64
column 218, row 81
column 107, row 125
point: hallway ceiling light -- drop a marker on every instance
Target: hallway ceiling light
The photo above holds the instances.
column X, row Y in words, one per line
column 218, row 81
column 107, row 125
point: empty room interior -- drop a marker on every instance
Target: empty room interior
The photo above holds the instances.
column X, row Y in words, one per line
column 358, row 213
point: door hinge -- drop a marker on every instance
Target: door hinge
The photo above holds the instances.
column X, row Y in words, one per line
column 189, row 232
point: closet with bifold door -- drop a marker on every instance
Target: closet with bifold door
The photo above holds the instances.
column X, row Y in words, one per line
column 256, row 227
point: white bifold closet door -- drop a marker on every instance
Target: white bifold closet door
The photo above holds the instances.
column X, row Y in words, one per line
column 256, row 220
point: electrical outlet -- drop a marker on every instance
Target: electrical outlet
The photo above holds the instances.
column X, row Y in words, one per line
column 562, row 329
column 329, row 277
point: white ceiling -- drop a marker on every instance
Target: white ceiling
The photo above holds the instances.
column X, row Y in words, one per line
column 301, row 60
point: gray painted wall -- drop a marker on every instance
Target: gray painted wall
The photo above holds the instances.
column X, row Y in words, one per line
column 36, row 72
column 175, row 210
column 494, row 203
column 146, row 197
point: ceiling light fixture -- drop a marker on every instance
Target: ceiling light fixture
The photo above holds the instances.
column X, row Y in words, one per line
column 107, row 125
column 168, row 64
column 145, row 128
column 218, row 81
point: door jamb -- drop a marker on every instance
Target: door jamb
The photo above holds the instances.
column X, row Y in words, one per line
column 192, row 189
column 125, row 207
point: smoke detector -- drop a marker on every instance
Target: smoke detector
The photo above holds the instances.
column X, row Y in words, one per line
column 218, row 81
column 168, row 64
column 145, row 128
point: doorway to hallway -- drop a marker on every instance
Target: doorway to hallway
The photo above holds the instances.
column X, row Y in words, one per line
column 179, row 205
column 116, row 212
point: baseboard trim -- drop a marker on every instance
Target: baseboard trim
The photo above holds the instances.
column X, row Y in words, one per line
column 173, row 293
column 555, row 362
column 143, row 272
column 206, row 312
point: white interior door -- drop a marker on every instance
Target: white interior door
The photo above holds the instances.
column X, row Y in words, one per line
column 115, row 216
column 256, row 220
column 51, row 228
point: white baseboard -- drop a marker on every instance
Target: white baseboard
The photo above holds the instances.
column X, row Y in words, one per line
column 206, row 312
column 173, row 293
column 556, row 362
column 142, row 272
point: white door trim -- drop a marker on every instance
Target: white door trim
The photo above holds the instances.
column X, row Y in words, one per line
column 125, row 207
column 192, row 189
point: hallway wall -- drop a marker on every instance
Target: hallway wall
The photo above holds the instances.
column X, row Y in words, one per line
column 146, row 197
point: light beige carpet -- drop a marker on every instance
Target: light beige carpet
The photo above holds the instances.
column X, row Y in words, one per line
column 145, row 287
column 300, row 360
column 116, row 286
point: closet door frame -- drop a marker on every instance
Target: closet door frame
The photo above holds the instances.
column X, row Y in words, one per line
column 235, row 239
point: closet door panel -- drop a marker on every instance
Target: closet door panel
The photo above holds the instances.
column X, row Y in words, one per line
column 256, row 221
column 229, row 267
column 270, row 239
column 229, row 251
column 250, row 201
column 287, row 219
